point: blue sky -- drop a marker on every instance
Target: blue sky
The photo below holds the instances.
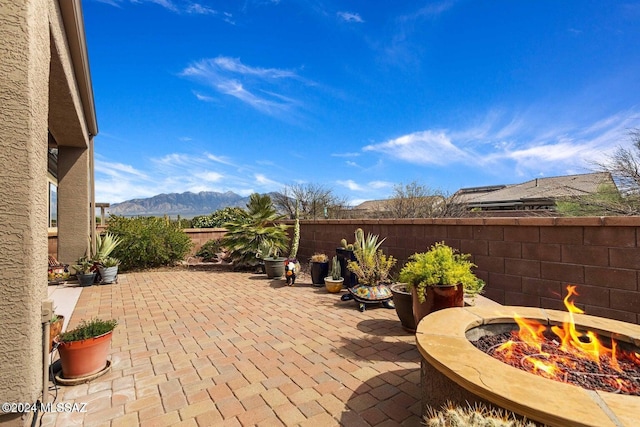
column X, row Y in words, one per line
column 357, row 96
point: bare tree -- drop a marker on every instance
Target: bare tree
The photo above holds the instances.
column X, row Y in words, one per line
column 415, row 200
column 621, row 198
column 624, row 165
column 315, row 201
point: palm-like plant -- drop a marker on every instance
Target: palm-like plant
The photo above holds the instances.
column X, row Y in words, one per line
column 253, row 229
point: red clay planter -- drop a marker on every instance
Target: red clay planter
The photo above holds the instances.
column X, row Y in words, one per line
column 86, row 357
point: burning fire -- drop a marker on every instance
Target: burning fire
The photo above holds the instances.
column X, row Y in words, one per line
column 571, row 348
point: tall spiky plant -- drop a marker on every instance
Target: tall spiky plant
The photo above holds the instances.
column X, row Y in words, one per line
column 296, row 236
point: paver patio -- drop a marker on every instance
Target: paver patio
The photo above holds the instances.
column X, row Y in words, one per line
column 219, row 348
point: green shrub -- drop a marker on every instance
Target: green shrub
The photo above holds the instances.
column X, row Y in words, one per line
column 218, row 218
column 89, row 329
column 209, row 251
column 148, row 242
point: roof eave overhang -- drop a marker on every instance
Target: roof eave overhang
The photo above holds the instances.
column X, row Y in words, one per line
column 73, row 20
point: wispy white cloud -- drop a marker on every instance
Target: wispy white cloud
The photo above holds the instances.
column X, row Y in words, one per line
column 424, row 147
column 350, row 17
column 260, row 88
column 177, row 6
column 199, row 9
column 381, row 184
column 520, row 144
column 400, row 48
column 177, row 173
column 345, row 154
column 351, row 185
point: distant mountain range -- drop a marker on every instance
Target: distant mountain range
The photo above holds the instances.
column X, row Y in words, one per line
column 186, row 205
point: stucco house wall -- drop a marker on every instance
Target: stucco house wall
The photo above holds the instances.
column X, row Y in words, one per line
column 42, row 90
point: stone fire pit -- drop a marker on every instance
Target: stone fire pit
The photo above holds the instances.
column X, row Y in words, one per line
column 454, row 370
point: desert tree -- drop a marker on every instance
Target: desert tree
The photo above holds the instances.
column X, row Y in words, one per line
column 314, row 201
column 621, row 196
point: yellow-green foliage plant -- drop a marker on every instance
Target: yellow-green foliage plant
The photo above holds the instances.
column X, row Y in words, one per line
column 441, row 265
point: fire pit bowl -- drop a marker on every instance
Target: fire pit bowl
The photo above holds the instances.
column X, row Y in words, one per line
column 454, row 370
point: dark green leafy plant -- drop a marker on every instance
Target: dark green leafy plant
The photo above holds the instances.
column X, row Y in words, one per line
column 89, row 329
column 255, row 229
column 210, row 250
column 218, row 218
column 148, row 242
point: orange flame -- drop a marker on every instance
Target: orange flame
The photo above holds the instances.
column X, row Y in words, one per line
column 572, row 342
column 531, row 332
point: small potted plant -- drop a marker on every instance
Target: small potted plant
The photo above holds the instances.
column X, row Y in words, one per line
column 403, row 303
column 55, row 328
column 333, row 283
column 439, row 278
column 85, row 271
column 108, row 269
column 107, row 266
column 273, row 262
column 84, row 349
column 319, row 268
column 372, row 269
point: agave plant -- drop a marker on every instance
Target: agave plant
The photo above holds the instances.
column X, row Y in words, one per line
column 105, row 245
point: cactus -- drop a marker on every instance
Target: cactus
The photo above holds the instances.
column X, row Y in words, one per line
column 336, row 272
column 296, row 236
column 476, row 416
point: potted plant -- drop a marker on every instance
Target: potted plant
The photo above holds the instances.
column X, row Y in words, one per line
column 108, row 269
column 372, row 268
column 402, row 301
column 84, row 349
column 251, row 235
column 345, row 254
column 319, row 268
column 55, row 328
column 85, row 271
column 107, row 266
column 438, row 279
column 273, row 262
column 333, row 283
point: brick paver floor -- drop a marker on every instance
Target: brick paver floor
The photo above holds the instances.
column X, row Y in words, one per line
column 218, row 348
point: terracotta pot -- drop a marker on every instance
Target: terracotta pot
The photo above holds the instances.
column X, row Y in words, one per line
column 319, row 270
column 54, row 330
column 82, row 358
column 404, row 306
column 437, row 298
column 333, row 286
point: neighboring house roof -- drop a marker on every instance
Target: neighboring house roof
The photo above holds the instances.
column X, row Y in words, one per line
column 373, row 205
column 541, row 190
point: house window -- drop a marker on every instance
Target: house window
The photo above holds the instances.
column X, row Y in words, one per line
column 53, row 205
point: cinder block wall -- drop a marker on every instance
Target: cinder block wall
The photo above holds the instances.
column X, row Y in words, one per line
column 200, row 236
column 524, row 261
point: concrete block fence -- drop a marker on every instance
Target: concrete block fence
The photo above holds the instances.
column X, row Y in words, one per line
column 524, row 261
